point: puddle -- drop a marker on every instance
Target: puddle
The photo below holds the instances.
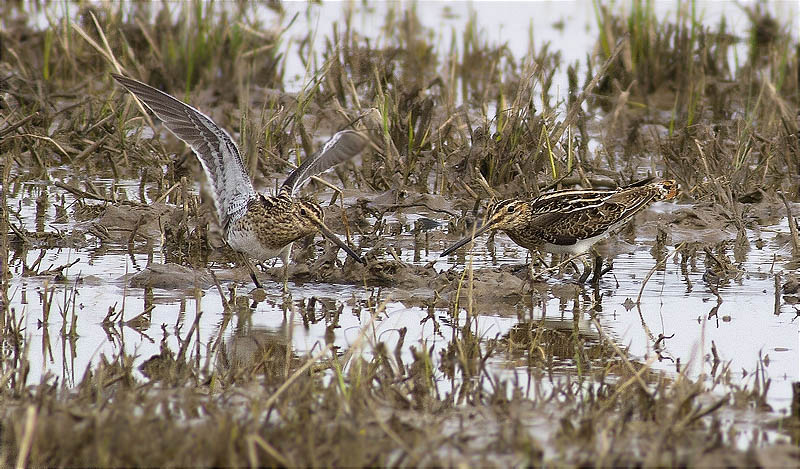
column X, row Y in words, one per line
column 739, row 319
column 569, row 27
column 712, row 311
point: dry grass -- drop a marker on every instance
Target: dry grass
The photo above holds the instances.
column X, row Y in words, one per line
column 731, row 133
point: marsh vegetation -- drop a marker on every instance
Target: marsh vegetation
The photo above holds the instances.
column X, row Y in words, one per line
column 131, row 336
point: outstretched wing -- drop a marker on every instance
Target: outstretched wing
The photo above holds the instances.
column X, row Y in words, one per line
column 341, row 147
column 213, row 146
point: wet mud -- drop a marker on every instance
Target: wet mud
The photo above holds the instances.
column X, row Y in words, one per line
column 125, row 315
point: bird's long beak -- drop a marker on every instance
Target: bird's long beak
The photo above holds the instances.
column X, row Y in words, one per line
column 486, row 226
column 326, row 232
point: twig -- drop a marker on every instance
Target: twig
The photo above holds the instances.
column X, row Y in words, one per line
column 792, row 225
column 650, row 274
column 92, row 148
column 269, row 402
column 637, row 375
column 255, row 439
column 12, row 127
column 43, row 137
column 482, row 181
column 27, row 436
column 165, row 194
column 694, row 416
column 81, row 193
column 576, row 105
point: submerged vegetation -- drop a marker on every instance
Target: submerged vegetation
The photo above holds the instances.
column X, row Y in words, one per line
column 455, row 124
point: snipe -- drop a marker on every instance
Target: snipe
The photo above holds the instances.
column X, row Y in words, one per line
column 255, row 225
column 570, row 221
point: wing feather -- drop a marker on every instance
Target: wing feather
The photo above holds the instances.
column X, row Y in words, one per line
column 341, row 147
column 218, row 154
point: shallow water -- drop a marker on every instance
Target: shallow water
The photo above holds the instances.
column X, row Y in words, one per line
column 683, row 321
column 742, row 326
column 672, row 304
column 569, row 27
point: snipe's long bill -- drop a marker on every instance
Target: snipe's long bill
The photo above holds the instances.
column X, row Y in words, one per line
column 256, row 225
column 569, row 221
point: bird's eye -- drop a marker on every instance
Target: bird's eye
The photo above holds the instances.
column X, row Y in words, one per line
column 511, row 209
column 303, row 212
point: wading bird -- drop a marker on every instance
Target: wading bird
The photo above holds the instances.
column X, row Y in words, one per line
column 570, row 221
column 255, row 225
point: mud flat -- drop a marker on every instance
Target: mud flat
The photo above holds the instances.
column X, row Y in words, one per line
column 130, row 335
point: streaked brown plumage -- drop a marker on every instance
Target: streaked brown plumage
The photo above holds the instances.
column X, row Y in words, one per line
column 569, row 221
column 258, row 226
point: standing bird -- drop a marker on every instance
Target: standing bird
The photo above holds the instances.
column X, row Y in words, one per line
column 255, row 225
column 570, row 221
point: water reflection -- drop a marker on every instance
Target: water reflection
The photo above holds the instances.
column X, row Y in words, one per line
column 257, row 350
column 78, row 306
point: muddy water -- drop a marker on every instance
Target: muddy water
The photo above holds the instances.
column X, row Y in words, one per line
column 685, row 305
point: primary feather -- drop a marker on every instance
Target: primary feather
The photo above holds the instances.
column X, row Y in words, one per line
column 261, row 227
column 232, row 188
column 341, row 147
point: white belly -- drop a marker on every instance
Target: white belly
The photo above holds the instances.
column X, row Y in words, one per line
column 246, row 242
column 580, row 247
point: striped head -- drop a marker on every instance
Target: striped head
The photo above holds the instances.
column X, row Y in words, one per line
column 667, row 189
column 308, row 215
column 311, row 217
column 507, row 215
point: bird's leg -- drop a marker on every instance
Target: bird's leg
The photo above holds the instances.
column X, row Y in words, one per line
column 570, row 260
column 247, row 263
column 556, row 267
column 598, row 267
column 530, row 276
column 586, row 271
column 537, row 256
column 285, row 256
column 576, row 269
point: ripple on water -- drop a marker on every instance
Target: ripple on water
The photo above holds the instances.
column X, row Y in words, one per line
column 738, row 317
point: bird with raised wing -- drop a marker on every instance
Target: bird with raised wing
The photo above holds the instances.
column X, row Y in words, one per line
column 570, row 221
column 255, row 225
